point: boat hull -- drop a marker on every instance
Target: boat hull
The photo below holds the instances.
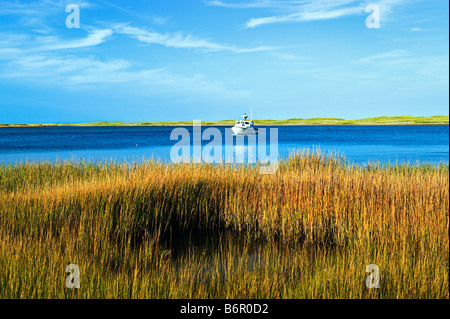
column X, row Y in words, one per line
column 244, row 131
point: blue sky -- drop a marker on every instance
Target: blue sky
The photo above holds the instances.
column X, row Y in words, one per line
column 143, row 61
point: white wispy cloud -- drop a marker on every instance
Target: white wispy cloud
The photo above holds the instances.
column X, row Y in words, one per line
column 9, row 53
column 41, row 6
column 33, row 43
column 55, row 60
column 179, row 40
column 95, row 37
column 419, row 29
column 255, row 4
column 308, row 10
column 35, row 15
column 70, row 70
column 403, row 65
column 14, row 45
column 305, row 16
column 385, row 57
column 400, row 69
column 91, row 73
column 289, row 56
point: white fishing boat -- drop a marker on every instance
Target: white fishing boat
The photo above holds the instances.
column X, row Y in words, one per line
column 244, row 127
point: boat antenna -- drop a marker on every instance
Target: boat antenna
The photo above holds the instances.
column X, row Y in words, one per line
column 251, row 108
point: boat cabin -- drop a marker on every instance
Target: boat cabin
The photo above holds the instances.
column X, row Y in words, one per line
column 244, row 122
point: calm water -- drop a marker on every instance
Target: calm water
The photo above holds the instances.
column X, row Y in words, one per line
column 359, row 144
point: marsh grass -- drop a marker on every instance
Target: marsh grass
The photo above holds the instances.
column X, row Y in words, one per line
column 307, row 231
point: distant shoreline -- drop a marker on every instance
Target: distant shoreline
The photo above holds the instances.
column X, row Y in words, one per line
column 218, row 125
column 385, row 120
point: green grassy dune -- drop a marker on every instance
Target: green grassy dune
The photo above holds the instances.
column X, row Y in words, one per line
column 298, row 121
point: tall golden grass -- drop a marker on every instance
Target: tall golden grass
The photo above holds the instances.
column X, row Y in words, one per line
column 321, row 221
